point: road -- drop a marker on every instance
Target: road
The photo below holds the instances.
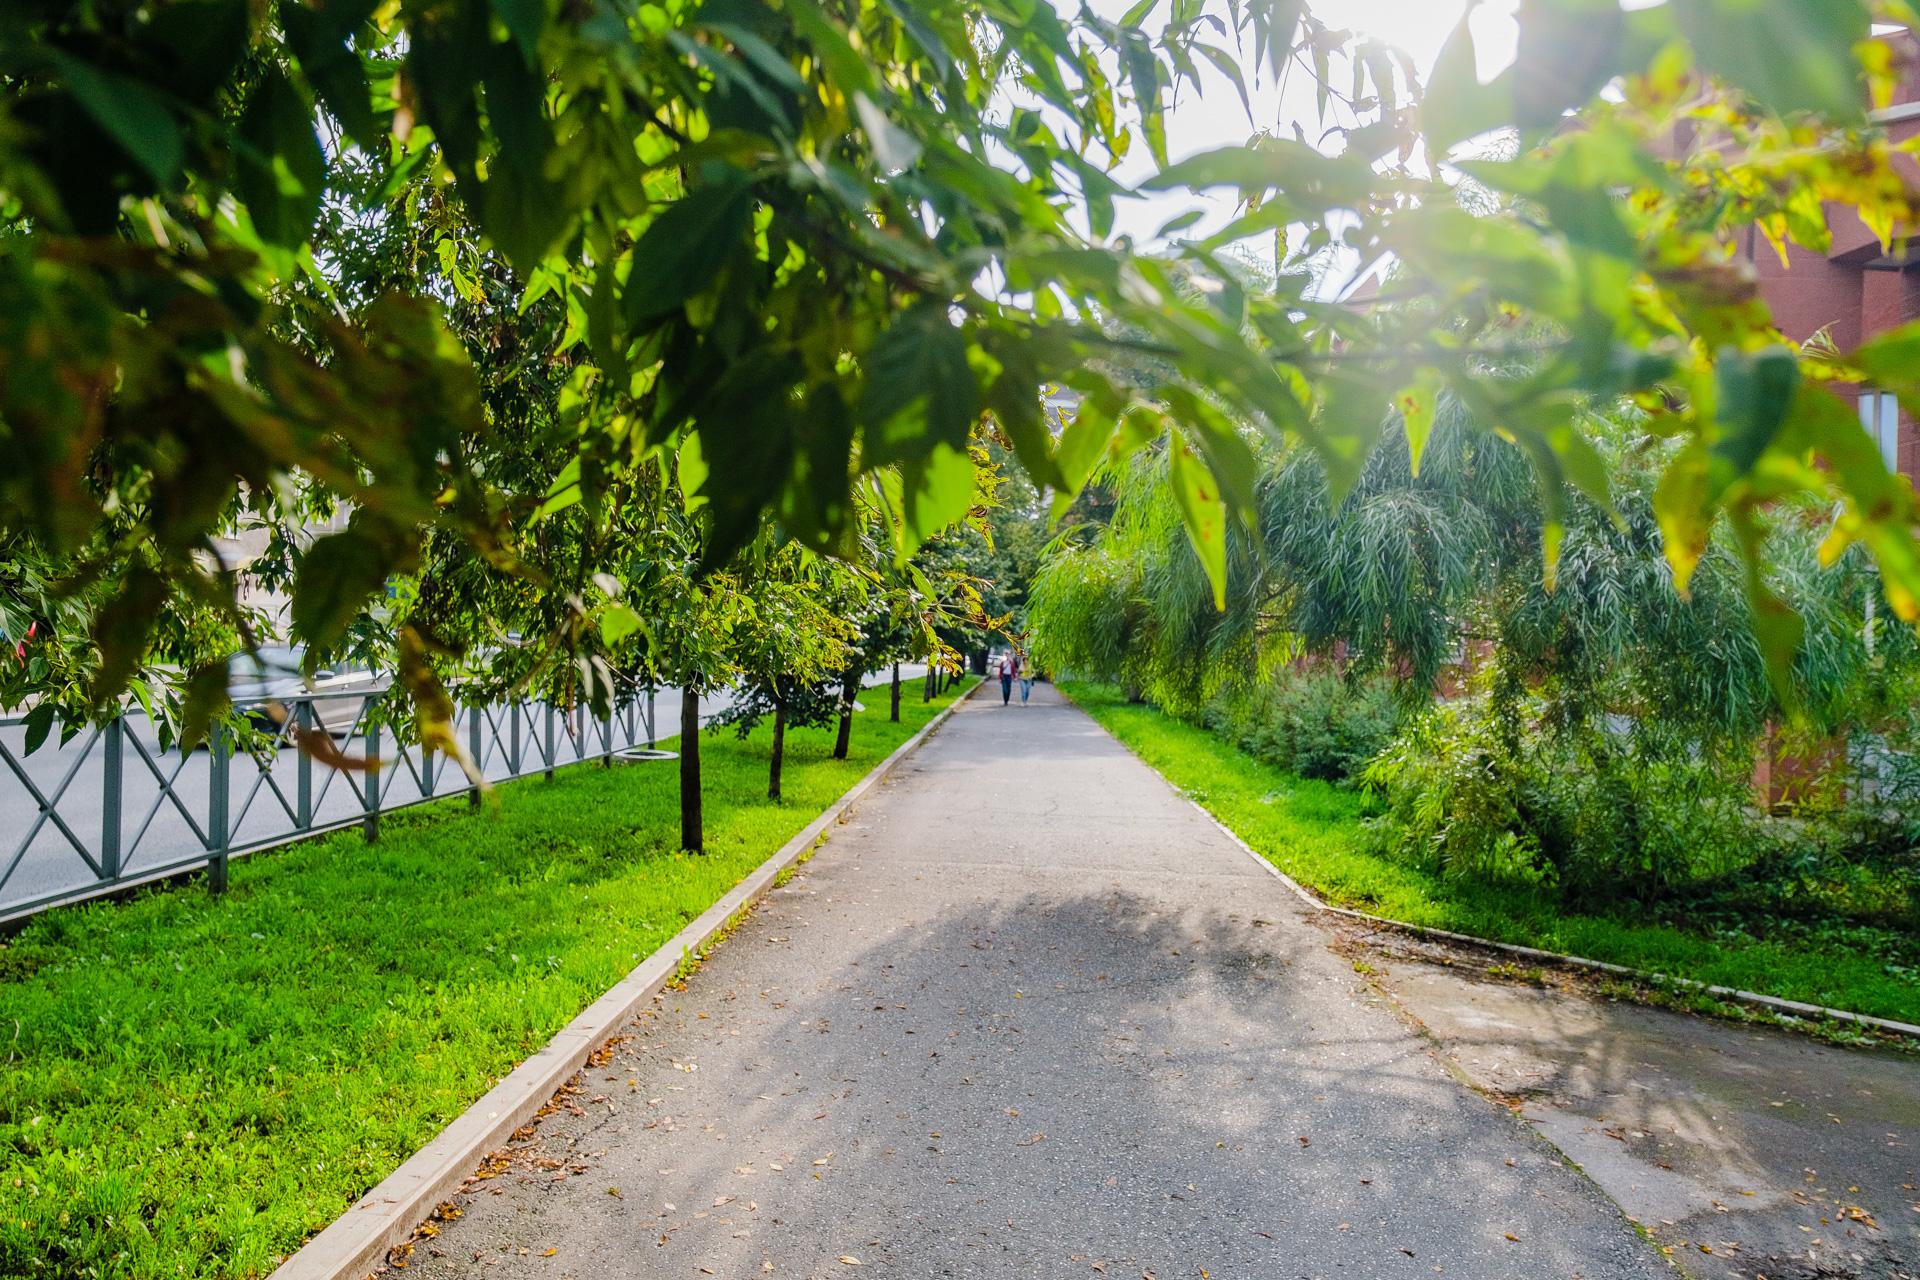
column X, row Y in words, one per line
column 157, row 833
column 1029, row 1014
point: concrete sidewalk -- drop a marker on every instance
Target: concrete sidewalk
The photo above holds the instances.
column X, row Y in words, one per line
column 1748, row 1151
column 1030, row 1014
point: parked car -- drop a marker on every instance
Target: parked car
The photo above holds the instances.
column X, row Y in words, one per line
column 264, row 683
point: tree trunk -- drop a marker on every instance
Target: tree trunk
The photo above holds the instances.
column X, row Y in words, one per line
column 926, row 682
column 896, row 693
column 692, row 827
column 779, row 749
column 847, row 692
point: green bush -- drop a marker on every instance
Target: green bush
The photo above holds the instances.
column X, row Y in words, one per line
column 1593, row 813
column 1310, row 722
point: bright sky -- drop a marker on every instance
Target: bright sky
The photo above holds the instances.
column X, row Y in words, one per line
column 1216, row 118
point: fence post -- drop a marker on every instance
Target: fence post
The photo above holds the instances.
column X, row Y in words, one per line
column 370, row 824
column 474, row 715
column 303, row 767
column 110, row 797
column 513, row 738
column 550, row 741
column 219, row 760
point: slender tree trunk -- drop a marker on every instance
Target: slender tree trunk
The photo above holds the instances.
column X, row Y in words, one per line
column 926, row 682
column 779, row 750
column 692, row 826
column 896, row 693
column 847, row 692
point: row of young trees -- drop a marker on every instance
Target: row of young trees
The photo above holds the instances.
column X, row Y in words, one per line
column 574, row 303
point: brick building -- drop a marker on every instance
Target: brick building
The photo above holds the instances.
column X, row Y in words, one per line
column 1856, row 290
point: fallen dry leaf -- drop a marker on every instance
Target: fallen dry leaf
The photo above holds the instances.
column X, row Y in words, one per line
column 849, row 1260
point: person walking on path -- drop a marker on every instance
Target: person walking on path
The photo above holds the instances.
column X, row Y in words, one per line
column 1009, row 668
column 1026, row 681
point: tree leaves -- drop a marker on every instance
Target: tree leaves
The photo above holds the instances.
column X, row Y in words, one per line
column 810, row 247
column 282, row 170
column 131, row 113
column 332, row 582
column 919, row 391
column 1203, row 512
column 1743, row 42
column 684, row 247
column 1753, row 393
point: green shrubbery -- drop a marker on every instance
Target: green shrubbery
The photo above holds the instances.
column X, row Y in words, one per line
column 1591, row 814
column 1310, row 721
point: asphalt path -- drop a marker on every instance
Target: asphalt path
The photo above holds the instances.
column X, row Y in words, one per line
column 1029, row 1014
column 158, row 833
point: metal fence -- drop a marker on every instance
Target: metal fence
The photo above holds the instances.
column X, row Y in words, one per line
column 110, row 809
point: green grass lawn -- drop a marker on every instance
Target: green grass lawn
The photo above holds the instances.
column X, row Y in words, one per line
column 192, row 1086
column 1312, row 831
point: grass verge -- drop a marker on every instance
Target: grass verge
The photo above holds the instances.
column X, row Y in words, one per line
column 1312, row 831
column 192, row 1086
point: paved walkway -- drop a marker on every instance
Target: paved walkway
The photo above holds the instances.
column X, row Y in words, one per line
column 1031, row 1015
column 1748, row 1151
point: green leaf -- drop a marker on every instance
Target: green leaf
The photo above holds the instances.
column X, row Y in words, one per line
column 1681, row 506
column 1775, row 625
column 38, row 724
column 206, row 698
column 1309, row 179
column 1457, row 106
column 521, row 207
column 617, row 622
column 121, row 628
column 1014, row 399
column 1569, row 49
column 816, row 506
column 683, row 249
column 1082, row 445
column 1202, row 511
column 918, row 363
column 847, row 66
column 525, row 20
column 1416, row 403
column 1753, row 392
column 1789, row 56
column 937, row 489
column 134, row 116
column 1351, row 420
column 1224, row 63
column 282, row 170
column 320, row 39
column 332, row 583
column 747, row 431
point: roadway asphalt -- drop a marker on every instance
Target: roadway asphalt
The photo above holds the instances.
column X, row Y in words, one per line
column 156, row 834
column 1030, row 1014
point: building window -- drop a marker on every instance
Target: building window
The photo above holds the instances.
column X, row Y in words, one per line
column 1880, row 415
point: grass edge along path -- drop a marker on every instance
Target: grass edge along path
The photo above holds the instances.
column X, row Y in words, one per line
column 192, row 1086
column 1311, row 830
